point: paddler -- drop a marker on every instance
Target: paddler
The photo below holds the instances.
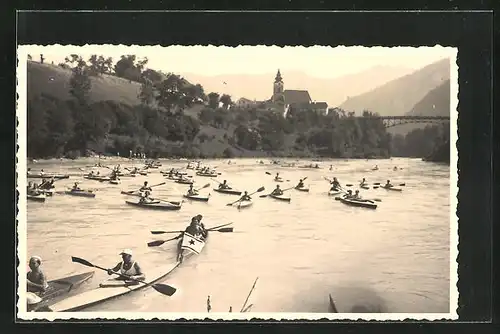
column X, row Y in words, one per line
column 388, row 184
column 301, row 184
column 128, row 267
column 277, row 191
column 395, row 168
column 277, row 177
column 349, row 194
column 375, row 168
column 192, row 191
column 363, row 182
column 145, row 198
column 335, row 184
column 201, row 226
column 75, row 187
column 36, row 278
column 42, row 172
column 194, row 228
column 245, row 197
column 356, row 195
column 331, row 167
column 224, row 185
column 145, row 187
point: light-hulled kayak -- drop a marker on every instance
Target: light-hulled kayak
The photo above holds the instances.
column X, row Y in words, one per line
column 279, row 179
column 81, row 193
column 392, row 188
column 46, row 192
column 157, row 205
column 243, row 204
column 198, row 198
column 358, row 203
column 59, row 288
column 114, row 181
column 280, row 197
column 334, row 192
column 190, row 245
column 103, row 294
column 184, row 181
column 207, row 174
column 304, row 189
column 37, row 198
column 227, row 191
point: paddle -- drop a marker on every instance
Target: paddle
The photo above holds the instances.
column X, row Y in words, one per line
column 210, row 229
column 257, row 191
column 161, row 242
column 161, row 288
column 154, row 185
column 263, row 196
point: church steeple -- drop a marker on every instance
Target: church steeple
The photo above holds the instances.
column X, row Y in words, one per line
column 278, row 77
column 278, row 90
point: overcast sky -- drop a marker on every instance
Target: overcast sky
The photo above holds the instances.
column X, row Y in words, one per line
column 322, row 62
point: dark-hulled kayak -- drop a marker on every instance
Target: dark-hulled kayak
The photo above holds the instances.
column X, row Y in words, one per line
column 157, row 205
column 59, row 288
column 392, row 188
column 280, row 197
column 197, row 198
column 97, row 178
column 358, row 203
column 228, row 191
column 184, row 181
column 80, row 193
column 37, row 198
column 304, row 189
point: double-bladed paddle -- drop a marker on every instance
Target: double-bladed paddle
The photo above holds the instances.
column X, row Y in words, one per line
column 257, row 191
column 283, row 190
column 210, row 229
column 161, row 288
column 161, row 242
column 154, row 185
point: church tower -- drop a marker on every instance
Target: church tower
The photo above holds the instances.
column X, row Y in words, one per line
column 278, row 88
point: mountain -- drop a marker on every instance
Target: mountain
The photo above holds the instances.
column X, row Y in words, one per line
column 435, row 103
column 399, row 96
column 333, row 91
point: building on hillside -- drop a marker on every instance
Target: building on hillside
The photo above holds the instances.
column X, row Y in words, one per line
column 244, row 103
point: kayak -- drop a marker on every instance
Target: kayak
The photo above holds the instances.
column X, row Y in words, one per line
column 97, row 178
column 108, row 291
column 48, row 176
column 280, row 197
column 228, row 191
column 190, row 245
column 184, row 181
column 358, row 203
column 157, row 205
column 392, row 188
column 81, row 193
column 243, row 204
column 128, row 175
column 197, row 198
column 278, row 180
column 207, row 175
column 37, row 198
column 331, row 305
column 334, row 192
column 114, row 181
column 303, row 189
column 59, row 288
column 46, row 192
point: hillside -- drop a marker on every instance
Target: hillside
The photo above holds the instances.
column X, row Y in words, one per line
column 399, row 96
column 331, row 90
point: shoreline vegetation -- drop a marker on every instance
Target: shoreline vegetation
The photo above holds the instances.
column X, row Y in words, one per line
column 81, row 107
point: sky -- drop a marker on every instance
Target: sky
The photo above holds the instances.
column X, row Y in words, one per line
column 318, row 61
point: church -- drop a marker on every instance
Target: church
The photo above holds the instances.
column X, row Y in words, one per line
column 300, row 100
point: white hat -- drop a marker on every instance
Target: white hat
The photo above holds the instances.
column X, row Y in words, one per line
column 126, row 251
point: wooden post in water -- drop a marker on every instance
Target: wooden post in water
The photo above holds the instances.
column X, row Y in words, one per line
column 209, row 307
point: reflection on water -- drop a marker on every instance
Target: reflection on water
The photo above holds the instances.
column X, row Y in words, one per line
column 393, row 259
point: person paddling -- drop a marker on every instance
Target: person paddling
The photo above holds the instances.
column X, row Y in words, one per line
column 224, row 185
column 245, row 197
column 192, row 191
column 201, row 225
column 301, row 184
column 145, row 199
column 375, row 168
column 75, row 187
column 363, row 182
column 356, row 195
column 277, row 177
column 388, row 184
column 145, row 187
column 395, row 168
column 127, row 267
column 335, row 184
column 36, row 280
column 277, row 191
column 348, row 195
column 194, row 228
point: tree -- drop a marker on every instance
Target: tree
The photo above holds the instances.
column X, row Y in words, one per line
column 213, row 100
column 226, row 101
column 100, row 65
column 80, row 82
column 147, row 92
column 128, row 67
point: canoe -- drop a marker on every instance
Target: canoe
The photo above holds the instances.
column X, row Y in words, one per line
column 190, row 245
column 59, row 288
column 207, row 175
column 228, row 191
column 97, row 178
column 392, row 188
column 243, row 204
column 48, row 176
column 332, row 308
column 280, row 198
column 197, row 198
column 183, row 181
column 37, row 198
column 81, row 193
column 358, row 203
column 304, row 189
column 279, row 180
column 157, row 205
column 102, row 294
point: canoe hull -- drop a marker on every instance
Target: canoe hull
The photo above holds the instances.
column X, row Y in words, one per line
column 280, row 198
column 306, row 190
column 334, row 193
column 59, row 288
column 184, row 181
column 38, row 198
column 97, row 178
column 80, row 194
column 243, row 205
column 393, row 189
column 360, row 204
column 227, row 191
column 197, row 198
column 48, row 176
column 190, row 245
column 162, row 206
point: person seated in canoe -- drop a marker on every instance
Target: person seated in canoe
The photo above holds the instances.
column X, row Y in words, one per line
column 76, row 187
column 37, row 283
column 277, row 191
column 335, row 184
column 388, row 184
column 145, row 199
column 201, row 226
column 301, row 184
column 192, row 191
column 245, row 197
column 42, row 172
column 194, row 228
column 127, row 267
column 363, row 182
column 356, row 195
column 331, row 167
column 375, row 168
column 145, row 187
column 316, row 166
column 224, row 185
column 277, row 177
column 348, row 195
column 395, row 168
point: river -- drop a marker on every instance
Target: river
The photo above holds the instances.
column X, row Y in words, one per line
column 392, row 259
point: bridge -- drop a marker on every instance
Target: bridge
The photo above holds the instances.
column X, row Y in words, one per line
column 390, row 121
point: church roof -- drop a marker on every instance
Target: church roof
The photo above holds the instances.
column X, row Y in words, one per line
column 296, row 96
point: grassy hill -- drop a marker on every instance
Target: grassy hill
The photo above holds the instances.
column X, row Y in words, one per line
column 399, row 96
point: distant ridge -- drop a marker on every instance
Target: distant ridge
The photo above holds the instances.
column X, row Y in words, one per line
column 399, row 96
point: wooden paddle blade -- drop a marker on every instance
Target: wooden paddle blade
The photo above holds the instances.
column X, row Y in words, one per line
column 81, row 261
column 225, row 229
column 165, row 289
column 402, row 184
column 337, row 198
column 268, row 173
column 156, row 243
column 348, row 185
column 216, row 227
column 158, row 232
column 263, row 196
column 260, row 189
